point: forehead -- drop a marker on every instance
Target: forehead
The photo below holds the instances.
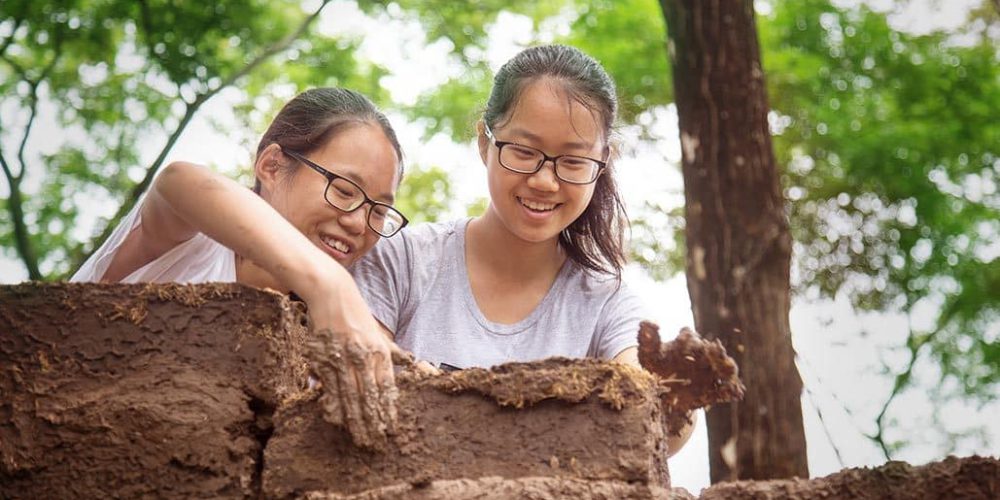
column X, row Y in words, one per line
column 365, row 155
column 546, row 109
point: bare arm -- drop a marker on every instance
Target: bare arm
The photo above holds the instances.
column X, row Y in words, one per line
column 630, row 356
column 187, row 199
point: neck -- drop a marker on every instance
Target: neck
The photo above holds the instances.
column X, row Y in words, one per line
column 493, row 246
column 249, row 273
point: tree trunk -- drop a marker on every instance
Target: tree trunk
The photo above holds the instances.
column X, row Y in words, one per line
column 738, row 242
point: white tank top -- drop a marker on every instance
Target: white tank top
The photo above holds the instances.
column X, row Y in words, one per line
column 197, row 260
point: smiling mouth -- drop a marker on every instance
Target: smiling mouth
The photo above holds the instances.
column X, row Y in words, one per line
column 335, row 244
column 536, row 206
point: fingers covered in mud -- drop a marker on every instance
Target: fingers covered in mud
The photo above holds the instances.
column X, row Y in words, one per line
column 358, row 389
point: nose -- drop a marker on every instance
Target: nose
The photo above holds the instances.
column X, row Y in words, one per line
column 356, row 222
column 545, row 178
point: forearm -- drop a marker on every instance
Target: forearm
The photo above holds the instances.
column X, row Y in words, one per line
column 238, row 218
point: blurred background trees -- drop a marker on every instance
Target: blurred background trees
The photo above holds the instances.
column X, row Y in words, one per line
column 887, row 139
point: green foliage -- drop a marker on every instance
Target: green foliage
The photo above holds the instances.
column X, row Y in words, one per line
column 657, row 240
column 424, row 195
column 629, row 37
column 477, row 207
column 455, row 106
column 891, row 142
column 119, row 75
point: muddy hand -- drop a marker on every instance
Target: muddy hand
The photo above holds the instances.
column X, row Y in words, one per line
column 359, row 393
column 694, row 372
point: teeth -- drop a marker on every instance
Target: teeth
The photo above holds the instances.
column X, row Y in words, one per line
column 337, row 244
column 534, row 205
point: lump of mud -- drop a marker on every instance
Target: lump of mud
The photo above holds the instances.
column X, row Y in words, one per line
column 136, row 390
column 692, row 372
column 580, row 420
column 973, row 478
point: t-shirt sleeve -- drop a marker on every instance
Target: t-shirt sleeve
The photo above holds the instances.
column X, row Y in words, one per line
column 383, row 277
column 618, row 325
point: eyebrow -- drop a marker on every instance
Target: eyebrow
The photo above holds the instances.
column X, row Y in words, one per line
column 517, row 131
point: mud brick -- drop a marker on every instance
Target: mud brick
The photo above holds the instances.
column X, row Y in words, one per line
column 574, row 419
column 141, row 390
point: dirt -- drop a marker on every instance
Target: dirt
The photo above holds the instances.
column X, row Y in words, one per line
column 134, row 390
column 969, row 478
column 692, row 372
column 180, row 391
column 498, row 488
column 560, row 418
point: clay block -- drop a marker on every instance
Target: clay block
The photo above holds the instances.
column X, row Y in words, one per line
column 573, row 419
column 134, row 390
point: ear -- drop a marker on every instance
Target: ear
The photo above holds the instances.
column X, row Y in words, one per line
column 612, row 149
column 268, row 169
column 483, row 141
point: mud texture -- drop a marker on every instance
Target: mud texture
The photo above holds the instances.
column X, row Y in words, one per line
column 558, row 418
column 174, row 391
column 970, row 478
column 141, row 390
column 498, row 488
column 692, row 373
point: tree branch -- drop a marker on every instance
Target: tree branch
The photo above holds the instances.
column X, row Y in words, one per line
column 915, row 344
column 189, row 113
column 15, row 203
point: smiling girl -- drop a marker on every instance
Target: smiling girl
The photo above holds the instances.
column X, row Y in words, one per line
column 297, row 231
column 539, row 273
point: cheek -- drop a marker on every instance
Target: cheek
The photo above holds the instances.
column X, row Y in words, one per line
column 584, row 197
column 499, row 180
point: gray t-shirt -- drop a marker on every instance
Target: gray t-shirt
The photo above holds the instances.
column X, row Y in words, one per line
column 417, row 286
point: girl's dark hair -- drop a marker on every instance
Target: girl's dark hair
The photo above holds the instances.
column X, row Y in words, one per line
column 596, row 239
column 313, row 117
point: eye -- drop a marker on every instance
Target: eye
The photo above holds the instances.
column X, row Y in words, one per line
column 522, row 152
column 577, row 164
column 343, row 189
column 380, row 211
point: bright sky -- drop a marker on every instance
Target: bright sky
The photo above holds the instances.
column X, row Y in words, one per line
column 839, row 365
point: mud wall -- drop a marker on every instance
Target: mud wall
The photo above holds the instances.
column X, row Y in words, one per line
column 131, row 390
column 174, row 391
column 200, row 391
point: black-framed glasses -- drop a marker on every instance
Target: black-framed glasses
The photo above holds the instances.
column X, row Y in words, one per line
column 528, row 160
column 345, row 195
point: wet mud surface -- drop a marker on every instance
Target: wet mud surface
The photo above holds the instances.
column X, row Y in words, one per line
column 135, row 390
column 174, row 391
column 561, row 418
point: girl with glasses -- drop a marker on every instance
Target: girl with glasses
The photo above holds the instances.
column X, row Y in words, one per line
column 298, row 230
column 538, row 274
